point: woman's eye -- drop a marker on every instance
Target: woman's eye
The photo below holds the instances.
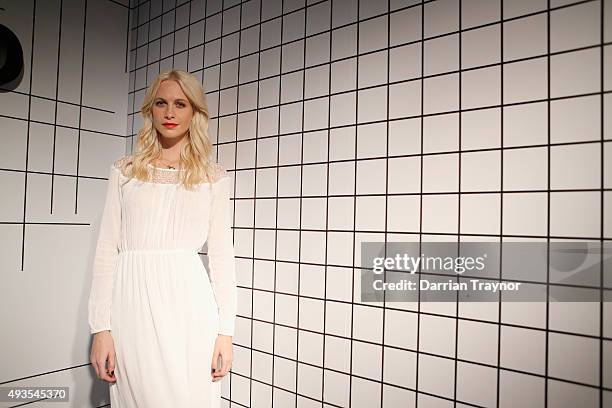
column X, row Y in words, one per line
column 158, row 103
column 181, row 105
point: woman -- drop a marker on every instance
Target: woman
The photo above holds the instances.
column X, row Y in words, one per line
column 158, row 318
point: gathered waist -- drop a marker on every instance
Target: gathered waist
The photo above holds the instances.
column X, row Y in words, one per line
column 158, row 250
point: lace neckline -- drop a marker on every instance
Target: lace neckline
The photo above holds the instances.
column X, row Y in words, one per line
column 162, row 169
column 159, row 175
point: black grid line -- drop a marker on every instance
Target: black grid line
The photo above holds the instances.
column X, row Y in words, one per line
column 119, row 4
column 459, row 195
column 25, row 187
column 56, row 99
column 132, row 136
column 276, row 201
column 351, row 341
column 41, row 374
column 218, row 123
column 47, row 173
column 148, row 37
column 42, row 122
column 235, row 161
column 127, row 42
column 274, row 324
column 547, row 318
column 601, row 205
column 203, row 47
column 299, row 280
column 76, row 194
column 501, row 210
column 325, row 261
column 386, row 234
column 188, row 37
column 174, row 35
column 253, row 236
column 57, row 71
column 421, row 123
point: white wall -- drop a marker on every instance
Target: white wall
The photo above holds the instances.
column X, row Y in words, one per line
column 61, row 127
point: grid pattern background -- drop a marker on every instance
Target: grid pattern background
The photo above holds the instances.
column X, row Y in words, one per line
column 341, row 121
column 62, row 123
column 350, row 121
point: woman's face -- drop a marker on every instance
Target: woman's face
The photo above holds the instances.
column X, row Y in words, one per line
column 172, row 111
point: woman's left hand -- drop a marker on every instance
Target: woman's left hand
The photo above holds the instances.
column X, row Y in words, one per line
column 223, row 348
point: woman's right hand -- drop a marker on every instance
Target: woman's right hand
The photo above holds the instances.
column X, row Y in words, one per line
column 103, row 348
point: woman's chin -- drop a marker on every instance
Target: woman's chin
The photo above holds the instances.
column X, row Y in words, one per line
column 170, row 133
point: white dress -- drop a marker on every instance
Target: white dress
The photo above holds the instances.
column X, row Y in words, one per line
column 151, row 289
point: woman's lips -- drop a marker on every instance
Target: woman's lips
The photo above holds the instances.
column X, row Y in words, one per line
column 169, row 126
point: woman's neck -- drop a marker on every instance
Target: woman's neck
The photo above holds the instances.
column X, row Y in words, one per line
column 171, row 149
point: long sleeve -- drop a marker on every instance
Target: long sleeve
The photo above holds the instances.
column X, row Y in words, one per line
column 105, row 258
column 221, row 261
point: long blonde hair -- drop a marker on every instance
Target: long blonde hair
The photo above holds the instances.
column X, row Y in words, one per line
column 195, row 153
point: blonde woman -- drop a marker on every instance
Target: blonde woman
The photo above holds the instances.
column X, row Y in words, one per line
column 158, row 320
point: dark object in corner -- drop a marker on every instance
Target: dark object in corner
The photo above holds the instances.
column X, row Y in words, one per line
column 11, row 56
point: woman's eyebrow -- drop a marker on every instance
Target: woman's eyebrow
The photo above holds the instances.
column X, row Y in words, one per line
column 177, row 100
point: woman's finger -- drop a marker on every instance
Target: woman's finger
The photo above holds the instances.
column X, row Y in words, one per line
column 111, row 361
column 218, row 374
column 224, row 370
column 102, row 371
column 111, row 366
column 213, row 365
column 100, row 368
column 226, row 365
